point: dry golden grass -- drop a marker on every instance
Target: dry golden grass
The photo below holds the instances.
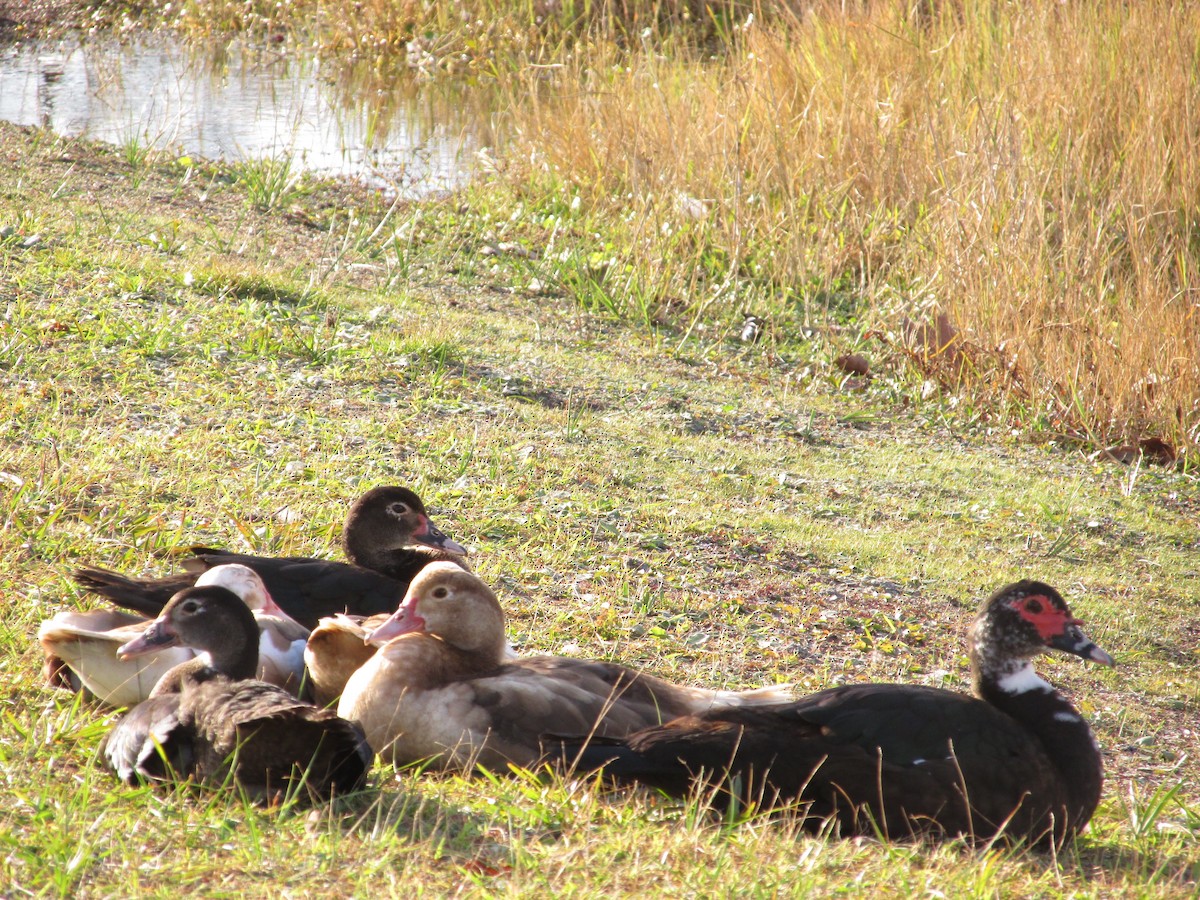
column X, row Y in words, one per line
column 1030, row 169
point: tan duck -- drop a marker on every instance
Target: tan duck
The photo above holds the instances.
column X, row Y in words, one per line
column 336, row 649
column 205, row 709
column 439, row 690
column 86, row 643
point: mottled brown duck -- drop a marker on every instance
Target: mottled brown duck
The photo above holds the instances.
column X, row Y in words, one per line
column 209, row 720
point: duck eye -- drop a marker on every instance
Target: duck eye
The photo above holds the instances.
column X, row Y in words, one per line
column 398, row 509
column 190, row 607
column 1034, row 605
column 441, row 593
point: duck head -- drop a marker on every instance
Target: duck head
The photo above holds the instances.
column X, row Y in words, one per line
column 244, row 582
column 1018, row 622
column 450, row 604
column 397, row 513
column 210, row 619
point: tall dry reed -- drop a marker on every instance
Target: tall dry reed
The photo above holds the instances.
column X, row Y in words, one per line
column 1032, row 169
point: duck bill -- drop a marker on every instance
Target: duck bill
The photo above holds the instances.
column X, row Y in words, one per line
column 433, row 536
column 157, row 636
column 403, row 621
column 1072, row 640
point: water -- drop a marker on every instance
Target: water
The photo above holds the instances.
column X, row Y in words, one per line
column 237, row 101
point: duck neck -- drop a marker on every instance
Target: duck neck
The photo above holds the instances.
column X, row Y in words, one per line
column 359, row 549
column 1016, row 689
column 421, row 662
column 235, row 651
column 399, row 562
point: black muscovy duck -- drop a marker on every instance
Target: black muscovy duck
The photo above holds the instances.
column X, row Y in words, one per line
column 388, row 538
column 1017, row 760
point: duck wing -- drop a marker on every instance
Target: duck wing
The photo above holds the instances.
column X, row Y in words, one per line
column 305, row 588
column 86, row 643
column 626, row 695
column 497, row 718
column 894, row 758
column 145, row 595
column 272, row 738
column 150, row 742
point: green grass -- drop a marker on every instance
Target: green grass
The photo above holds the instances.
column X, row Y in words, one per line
column 716, row 512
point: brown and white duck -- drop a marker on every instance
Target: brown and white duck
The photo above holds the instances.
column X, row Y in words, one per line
column 86, row 644
column 1017, row 759
column 204, row 710
column 388, row 537
column 440, row 689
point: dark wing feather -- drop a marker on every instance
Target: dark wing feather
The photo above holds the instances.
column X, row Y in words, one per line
column 275, row 736
column 658, row 700
column 150, row 742
column 147, row 596
column 525, row 699
column 892, row 758
column 306, row 589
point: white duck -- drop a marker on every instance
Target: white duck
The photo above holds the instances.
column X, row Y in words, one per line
column 440, row 690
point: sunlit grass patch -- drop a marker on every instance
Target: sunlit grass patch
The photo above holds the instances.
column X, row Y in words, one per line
column 715, row 510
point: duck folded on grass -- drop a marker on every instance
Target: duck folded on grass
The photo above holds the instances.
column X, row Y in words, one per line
column 209, row 719
column 388, row 538
column 440, row 690
column 81, row 647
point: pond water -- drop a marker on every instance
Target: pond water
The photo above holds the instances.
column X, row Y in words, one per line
column 238, row 101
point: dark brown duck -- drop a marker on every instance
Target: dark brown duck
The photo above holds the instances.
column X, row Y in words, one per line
column 209, row 720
